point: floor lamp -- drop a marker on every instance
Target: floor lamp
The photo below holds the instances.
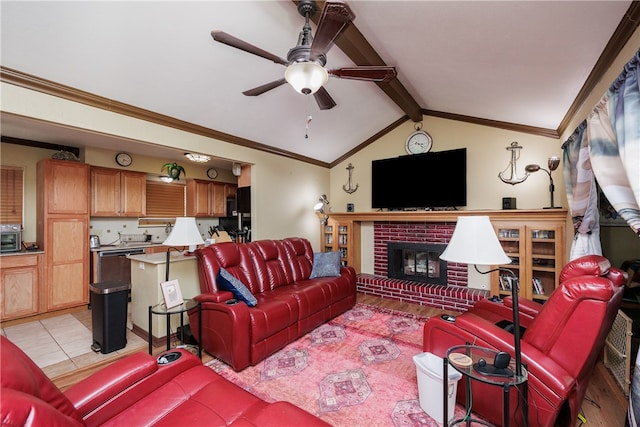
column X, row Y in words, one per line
column 184, row 233
column 474, row 241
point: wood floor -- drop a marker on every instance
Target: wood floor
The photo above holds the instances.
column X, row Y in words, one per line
column 605, row 405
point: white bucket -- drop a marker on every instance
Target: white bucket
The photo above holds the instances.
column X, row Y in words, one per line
column 429, row 369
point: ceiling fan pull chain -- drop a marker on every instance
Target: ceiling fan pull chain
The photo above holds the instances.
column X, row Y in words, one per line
column 306, row 128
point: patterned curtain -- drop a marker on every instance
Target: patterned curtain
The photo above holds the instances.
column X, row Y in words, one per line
column 613, row 131
column 580, row 185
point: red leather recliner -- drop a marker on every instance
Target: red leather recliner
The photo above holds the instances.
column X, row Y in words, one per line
column 560, row 345
column 135, row 391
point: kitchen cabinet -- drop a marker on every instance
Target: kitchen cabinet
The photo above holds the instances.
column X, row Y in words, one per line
column 118, row 193
column 344, row 237
column 62, row 231
column 207, row 198
column 19, row 286
column 536, row 249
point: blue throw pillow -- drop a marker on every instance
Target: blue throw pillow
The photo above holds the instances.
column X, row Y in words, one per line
column 325, row 264
column 227, row 282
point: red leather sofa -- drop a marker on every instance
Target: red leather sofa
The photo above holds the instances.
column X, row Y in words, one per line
column 135, row 391
column 289, row 303
column 560, row 345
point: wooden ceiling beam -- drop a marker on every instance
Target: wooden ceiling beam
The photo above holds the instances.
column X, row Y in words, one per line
column 358, row 49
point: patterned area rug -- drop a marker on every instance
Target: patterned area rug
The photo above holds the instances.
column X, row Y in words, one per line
column 356, row 370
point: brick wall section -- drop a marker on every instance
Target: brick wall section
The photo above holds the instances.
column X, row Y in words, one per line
column 457, row 296
column 416, row 232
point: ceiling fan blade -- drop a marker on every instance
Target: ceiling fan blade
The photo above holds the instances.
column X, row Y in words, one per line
column 367, row 73
column 228, row 39
column 264, row 88
column 323, row 99
column 335, row 18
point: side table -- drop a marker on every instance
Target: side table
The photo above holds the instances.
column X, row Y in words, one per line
column 161, row 309
column 469, row 372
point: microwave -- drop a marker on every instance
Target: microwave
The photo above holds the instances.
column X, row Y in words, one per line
column 10, row 237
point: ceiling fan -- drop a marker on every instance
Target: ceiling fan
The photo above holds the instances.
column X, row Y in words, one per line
column 305, row 62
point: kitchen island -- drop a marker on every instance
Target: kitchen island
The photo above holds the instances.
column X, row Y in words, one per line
column 147, row 272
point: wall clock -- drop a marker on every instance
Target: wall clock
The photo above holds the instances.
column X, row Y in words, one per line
column 123, row 159
column 212, row 173
column 418, row 142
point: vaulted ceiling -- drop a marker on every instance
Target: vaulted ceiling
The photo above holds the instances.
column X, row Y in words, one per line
column 515, row 64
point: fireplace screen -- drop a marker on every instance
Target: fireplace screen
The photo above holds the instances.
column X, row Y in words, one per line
column 417, row 262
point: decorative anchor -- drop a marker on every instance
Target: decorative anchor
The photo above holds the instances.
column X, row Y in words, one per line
column 515, row 155
column 348, row 187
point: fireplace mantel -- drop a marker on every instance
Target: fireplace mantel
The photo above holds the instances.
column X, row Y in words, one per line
column 450, row 216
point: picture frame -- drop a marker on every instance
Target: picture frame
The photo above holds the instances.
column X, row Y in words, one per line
column 171, row 293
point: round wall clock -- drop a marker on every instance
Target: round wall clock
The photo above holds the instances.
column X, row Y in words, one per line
column 212, row 173
column 123, row 159
column 418, row 142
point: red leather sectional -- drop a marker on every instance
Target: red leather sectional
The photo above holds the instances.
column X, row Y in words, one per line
column 289, row 303
column 135, row 391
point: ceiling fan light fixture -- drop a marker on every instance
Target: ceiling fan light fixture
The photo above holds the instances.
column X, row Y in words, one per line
column 306, row 77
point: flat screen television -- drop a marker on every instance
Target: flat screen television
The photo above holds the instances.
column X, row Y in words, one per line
column 420, row 181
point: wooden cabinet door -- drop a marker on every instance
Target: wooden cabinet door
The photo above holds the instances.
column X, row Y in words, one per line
column 545, row 247
column 537, row 253
column 105, row 192
column 198, row 198
column 512, row 237
column 19, row 277
column 230, row 190
column 133, row 194
column 67, row 258
column 218, row 199
column 66, row 187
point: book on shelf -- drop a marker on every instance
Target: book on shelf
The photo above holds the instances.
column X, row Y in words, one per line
column 508, row 282
column 537, row 286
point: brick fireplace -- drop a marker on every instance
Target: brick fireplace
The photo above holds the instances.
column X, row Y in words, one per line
column 453, row 295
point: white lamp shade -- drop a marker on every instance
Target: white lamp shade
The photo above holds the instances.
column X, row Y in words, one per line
column 185, row 233
column 306, row 77
column 474, row 241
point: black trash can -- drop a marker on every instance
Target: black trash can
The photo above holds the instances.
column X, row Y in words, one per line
column 109, row 315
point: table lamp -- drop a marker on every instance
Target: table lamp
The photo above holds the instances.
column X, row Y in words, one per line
column 474, row 241
column 184, row 233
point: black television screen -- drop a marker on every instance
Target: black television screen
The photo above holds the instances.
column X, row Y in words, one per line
column 420, row 181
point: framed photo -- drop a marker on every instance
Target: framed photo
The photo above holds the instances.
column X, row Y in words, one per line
column 171, row 293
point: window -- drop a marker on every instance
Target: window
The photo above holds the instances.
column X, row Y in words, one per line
column 164, row 200
column 11, row 194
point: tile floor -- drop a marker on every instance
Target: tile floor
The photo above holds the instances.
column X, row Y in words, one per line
column 62, row 344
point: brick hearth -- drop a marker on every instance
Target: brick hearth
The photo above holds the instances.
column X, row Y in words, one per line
column 456, row 296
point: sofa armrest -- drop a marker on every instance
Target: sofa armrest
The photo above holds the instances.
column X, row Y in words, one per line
column 226, row 330
column 349, row 272
column 215, row 296
column 23, row 409
column 545, row 370
column 525, row 306
column 124, row 375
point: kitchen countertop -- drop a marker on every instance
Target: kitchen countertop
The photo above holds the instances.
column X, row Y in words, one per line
column 121, row 246
column 161, row 258
column 22, row 252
